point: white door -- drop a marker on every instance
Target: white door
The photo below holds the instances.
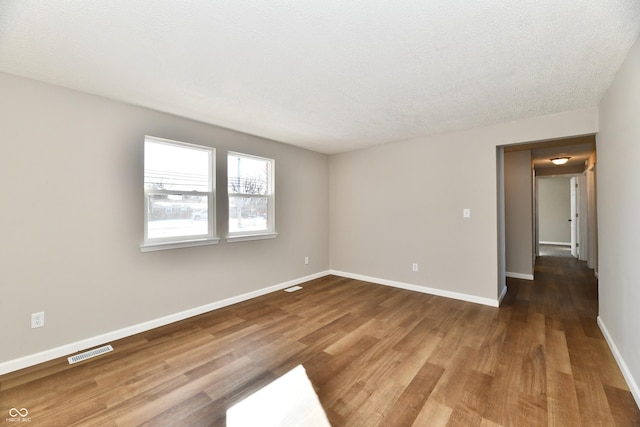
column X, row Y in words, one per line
column 574, row 216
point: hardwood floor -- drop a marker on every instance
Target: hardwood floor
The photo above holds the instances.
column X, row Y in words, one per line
column 377, row 356
column 563, row 251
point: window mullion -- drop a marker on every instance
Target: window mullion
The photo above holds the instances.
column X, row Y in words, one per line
column 250, row 192
column 175, row 216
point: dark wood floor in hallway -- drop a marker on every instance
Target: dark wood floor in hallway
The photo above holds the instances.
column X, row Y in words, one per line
column 376, row 355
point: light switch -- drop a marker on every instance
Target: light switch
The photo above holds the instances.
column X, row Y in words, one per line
column 466, row 213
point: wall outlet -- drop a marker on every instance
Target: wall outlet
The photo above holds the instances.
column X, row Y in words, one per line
column 414, row 267
column 37, row 320
column 466, row 213
column 306, row 260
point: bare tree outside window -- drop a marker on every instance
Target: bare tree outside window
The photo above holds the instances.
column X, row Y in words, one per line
column 250, row 187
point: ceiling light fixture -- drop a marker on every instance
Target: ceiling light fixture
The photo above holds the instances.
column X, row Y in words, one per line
column 559, row 160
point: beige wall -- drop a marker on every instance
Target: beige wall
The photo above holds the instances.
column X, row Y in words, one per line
column 592, row 212
column 401, row 203
column 72, row 220
column 554, row 210
column 72, row 215
column 518, row 190
column 618, row 145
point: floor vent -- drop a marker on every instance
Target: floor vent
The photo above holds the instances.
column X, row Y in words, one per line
column 89, row 354
column 293, row 289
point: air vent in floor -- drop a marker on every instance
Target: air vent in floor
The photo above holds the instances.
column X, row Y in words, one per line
column 293, row 289
column 89, row 354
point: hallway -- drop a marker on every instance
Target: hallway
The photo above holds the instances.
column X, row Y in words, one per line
column 557, row 313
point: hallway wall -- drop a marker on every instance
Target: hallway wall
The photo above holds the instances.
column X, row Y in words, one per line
column 618, row 226
column 518, row 191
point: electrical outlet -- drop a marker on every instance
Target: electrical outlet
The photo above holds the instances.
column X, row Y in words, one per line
column 37, row 320
column 414, row 267
column 306, row 260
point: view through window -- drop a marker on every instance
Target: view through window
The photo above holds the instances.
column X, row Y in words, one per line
column 251, row 194
column 179, row 191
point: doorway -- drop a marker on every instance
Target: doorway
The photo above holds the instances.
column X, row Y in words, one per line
column 581, row 165
column 557, row 217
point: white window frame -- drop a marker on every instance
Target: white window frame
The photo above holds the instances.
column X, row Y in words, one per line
column 270, row 232
column 174, row 242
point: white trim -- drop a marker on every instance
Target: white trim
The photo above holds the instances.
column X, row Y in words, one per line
column 502, row 295
column 67, row 349
column 269, row 233
column 519, row 275
column 555, row 243
column 64, row 350
column 245, row 237
column 418, row 288
column 626, row 373
column 177, row 245
column 174, row 242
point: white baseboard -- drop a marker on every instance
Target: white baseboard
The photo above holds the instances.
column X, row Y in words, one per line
column 519, row 275
column 555, row 243
column 422, row 289
column 626, row 373
column 502, row 295
column 67, row 349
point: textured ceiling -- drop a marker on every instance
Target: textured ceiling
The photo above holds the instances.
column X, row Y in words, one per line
column 328, row 75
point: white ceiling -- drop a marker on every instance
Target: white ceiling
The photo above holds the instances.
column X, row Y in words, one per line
column 578, row 149
column 578, row 154
column 329, row 75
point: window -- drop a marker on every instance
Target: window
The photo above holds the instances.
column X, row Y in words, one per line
column 179, row 195
column 251, row 197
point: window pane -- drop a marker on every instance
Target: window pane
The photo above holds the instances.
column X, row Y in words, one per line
column 178, row 168
column 247, row 175
column 174, row 216
column 248, row 214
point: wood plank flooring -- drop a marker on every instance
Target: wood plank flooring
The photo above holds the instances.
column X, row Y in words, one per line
column 377, row 356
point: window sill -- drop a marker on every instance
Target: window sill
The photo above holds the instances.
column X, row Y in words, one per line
column 149, row 247
column 245, row 237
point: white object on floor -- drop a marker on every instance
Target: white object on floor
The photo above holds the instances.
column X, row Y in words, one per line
column 287, row 401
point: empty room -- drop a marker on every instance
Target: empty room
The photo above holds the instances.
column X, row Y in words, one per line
column 319, row 213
